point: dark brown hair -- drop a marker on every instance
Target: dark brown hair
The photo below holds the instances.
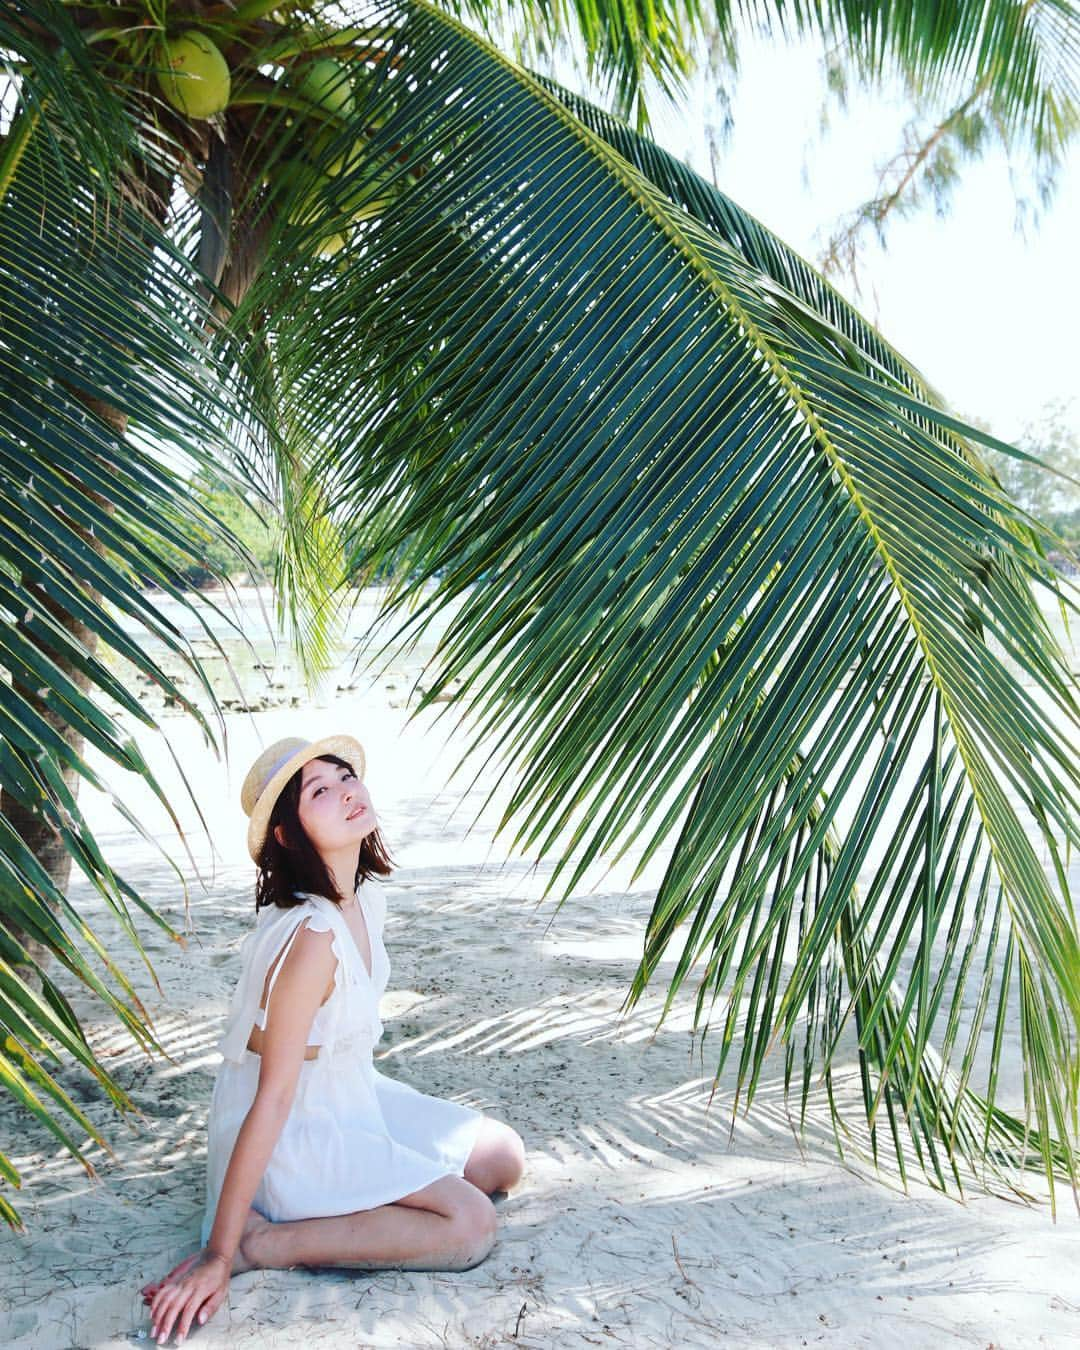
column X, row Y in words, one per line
column 283, row 870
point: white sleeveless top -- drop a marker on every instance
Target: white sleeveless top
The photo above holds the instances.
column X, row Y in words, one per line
column 350, row 1011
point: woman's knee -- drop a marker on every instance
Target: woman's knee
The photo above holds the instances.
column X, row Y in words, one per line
column 474, row 1222
column 508, row 1158
column 498, row 1160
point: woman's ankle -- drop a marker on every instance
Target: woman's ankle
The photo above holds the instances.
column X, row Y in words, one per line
column 252, row 1251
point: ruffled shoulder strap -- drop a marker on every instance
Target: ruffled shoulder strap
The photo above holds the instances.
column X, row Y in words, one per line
column 274, row 929
column 374, row 899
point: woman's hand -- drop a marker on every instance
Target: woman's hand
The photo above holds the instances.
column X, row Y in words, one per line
column 194, row 1288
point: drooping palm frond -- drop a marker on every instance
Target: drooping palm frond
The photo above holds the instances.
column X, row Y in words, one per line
column 100, row 328
column 775, row 259
column 1024, row 55
column 623, row 42
column 723, row 583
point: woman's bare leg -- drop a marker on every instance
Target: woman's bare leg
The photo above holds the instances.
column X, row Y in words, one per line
column 433, row 1224
column 497, row 1160
column 449, row 1225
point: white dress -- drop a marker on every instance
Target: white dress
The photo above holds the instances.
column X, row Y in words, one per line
column 353, row 1139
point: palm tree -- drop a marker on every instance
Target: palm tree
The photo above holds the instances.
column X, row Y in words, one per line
column 727, row 577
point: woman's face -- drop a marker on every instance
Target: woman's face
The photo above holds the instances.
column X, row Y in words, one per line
column 334, row 807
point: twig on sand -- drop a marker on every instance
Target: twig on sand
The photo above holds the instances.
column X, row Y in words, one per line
column 521, row 1314
column 675, row 1251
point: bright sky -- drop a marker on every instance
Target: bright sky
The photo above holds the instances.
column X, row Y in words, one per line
column 990, row 319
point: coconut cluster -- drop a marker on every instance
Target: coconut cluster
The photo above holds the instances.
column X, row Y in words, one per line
column 195, row 80
column 339, row 185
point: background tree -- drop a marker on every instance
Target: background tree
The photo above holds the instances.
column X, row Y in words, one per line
column 1048, row 483
column 207, row 555
column 740, row 570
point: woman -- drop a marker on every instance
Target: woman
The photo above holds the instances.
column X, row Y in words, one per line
column 314, row 1157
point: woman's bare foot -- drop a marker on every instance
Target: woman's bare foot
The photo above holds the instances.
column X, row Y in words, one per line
column 243, row 1260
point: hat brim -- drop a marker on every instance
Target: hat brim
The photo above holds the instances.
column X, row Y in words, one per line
column 343, row 747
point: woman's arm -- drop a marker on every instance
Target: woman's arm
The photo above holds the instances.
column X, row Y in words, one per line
column 299, row 989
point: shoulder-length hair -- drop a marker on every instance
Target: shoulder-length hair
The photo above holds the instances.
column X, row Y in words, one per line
column 284, row 869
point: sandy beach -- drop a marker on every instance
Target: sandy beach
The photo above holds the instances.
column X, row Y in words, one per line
column 645, row 1218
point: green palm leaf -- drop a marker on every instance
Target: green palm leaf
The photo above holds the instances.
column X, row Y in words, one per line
column 624, row 41
column 1024, row 58
column 724, row 581
column 97, row 312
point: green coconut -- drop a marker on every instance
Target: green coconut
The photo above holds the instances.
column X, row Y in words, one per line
column 368, row 197
column 334, row 243
column 363, row 206
column 348, row 162
column 327, row 83
column 373, row 208
column 196, row 81
column 310, row 204
column 349, row 158
column 308, row 189
column 297, row 182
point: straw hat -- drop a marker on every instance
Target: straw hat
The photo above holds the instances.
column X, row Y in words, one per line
column 273, row 769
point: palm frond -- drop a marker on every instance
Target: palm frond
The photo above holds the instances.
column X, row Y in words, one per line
column 725, row 580
column 98, row 316
column 63, row 96
column 625, row 43
column 1025, row 57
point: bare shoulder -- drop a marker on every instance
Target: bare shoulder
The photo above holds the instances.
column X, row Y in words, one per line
column 313, row 944
column 309, row 962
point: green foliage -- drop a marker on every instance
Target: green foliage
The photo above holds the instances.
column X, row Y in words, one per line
column 1047, row 485
column 722, row 578
column 1027, row 106
column 98, row 311
column 207, row 554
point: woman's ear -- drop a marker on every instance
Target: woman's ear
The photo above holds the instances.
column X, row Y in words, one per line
column 279, row 835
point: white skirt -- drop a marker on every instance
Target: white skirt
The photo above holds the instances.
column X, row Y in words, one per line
column 354, row 1139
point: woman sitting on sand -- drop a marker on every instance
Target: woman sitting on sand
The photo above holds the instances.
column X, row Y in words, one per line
column 314, row 1158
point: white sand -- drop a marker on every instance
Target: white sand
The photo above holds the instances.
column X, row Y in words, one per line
column 638, row 1223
